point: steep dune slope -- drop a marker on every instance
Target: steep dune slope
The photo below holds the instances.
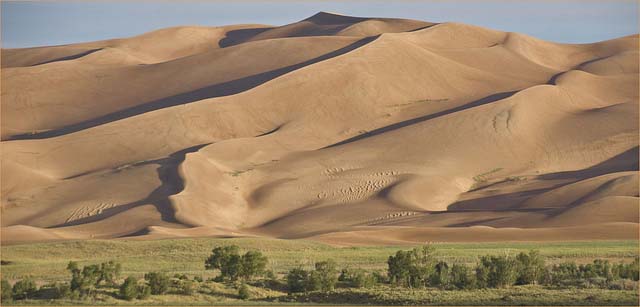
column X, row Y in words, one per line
column 333, row 128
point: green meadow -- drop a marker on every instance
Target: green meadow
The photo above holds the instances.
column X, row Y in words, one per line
column 47, row 262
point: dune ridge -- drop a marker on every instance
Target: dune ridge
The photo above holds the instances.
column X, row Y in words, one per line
column 342, row 129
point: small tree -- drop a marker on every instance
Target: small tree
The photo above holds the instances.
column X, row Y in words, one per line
column 243, row 292
column 298, row 280
column 129, row 288
column 85, row 280
column 226, row 259
column 109, row 272
column 399, row 268
column 440, row 276
column 461, row 277
column 24, row 289
column 6, row 291
column 496, row 272
column 252, row 264
column 530, row 267
column 412, row 268
column 232, row 265
column 564, row 272
column 325, row 276
column 158, row 282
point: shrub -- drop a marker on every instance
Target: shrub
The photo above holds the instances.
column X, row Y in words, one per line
column 24, row 289
column 633, row 270
column 218, row 278
column 380, row 277
column 144, row 292
column 61, row 291
column 496, row 272
column 461, row 277
column 186, row 287
column 599, row 268
column 243, row 292
column 226, row 259
column 129, row 288
column 325, row 276
column 530, row 267
column 357, row 278
column 232, row 265
column 440, row 276
column 400, row 268
column 564, row 272
column 298, row 280
column 624, row 284
column 86, row 279
column 6, row 290
column 181, row 276
column 412, row 268
column 109, row 272
column 158, row 282
column 627, row 271
column 252, row 264
column 198, row 278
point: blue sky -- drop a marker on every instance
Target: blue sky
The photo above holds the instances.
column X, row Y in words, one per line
column 27, row 24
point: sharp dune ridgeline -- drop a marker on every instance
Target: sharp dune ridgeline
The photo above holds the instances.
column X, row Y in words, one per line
column 340, row 129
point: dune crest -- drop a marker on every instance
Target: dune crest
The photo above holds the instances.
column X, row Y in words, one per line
column 342, row 129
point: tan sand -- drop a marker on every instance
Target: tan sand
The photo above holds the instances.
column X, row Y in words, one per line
column 341, row 129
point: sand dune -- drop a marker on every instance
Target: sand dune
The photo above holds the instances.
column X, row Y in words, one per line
column 343, row 129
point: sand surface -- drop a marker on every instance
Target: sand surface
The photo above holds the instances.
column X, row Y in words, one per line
column 341, row 129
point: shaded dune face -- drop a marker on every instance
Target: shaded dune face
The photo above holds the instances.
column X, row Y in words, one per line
column 341, row 129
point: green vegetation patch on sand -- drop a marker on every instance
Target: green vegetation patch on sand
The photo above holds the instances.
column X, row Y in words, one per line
column 48, row 261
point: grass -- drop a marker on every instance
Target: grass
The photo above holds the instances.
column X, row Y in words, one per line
column 46, row 262
column 211, row 293
column 482, row 178
column 520, row 295
column 420, row 101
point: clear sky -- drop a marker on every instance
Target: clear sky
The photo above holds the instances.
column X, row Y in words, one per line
column 27, row 24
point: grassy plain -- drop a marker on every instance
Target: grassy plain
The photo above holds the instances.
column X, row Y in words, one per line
column 46, row 262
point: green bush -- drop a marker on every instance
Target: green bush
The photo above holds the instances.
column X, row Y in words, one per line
column 563, row 273
column 627, row 270
column 412, row 268
column 24, row 289
column 298, row 280
column 440, row 276
column 357, row 278
column 461, row 277
column 109, row 272
column 129, row 288
column 6, row 291
column 158, row 282
column 325, row 276
column 243, row 292
column 380, row 277
column 85, row 280
column 496, row 272
column 232, row 265
column 252, row 264
column 530, row 268
column 144, row 292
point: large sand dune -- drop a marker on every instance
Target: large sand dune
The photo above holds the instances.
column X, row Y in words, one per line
column 341, row 129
